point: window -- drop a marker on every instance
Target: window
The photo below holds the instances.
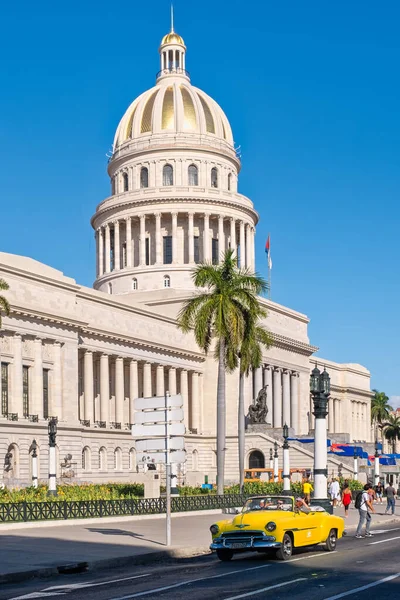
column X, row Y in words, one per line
column 167, row 240
column 168, row 175
column 125, row 182
column 103, row 459
column 118, row 459
column 196, row 249
column 86, row 459
column 134, row 284
column 132, row 459
column 214, row 177
column 112, row 186
column 110, row 288
column 229, row 181
column 144, row 177
column 167, row 281
column 256, row 460
column 25, row 391
column 214, row 251
column 45, row 393
column 147, row 251
column 195, row 460
column 4, row 389
column 193, row 175
column 112, row 252
column 124, row 255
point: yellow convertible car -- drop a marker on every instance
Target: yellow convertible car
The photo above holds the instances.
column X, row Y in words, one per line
column 278, row 523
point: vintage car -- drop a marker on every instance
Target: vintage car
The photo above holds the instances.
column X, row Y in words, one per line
column 274, row 523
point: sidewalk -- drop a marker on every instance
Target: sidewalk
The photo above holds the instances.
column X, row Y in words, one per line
column 49, row 549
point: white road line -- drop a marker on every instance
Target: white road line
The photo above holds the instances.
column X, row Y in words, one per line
column 384, row 541
column 266, row 589
column 307, row 557
column 364, row 587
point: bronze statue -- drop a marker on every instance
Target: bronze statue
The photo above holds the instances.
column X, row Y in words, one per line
column 259, row 410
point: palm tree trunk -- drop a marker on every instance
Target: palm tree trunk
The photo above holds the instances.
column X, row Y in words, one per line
column 221, row 419
column 241, row 430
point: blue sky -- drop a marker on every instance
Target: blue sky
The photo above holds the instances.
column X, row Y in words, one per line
column 312, row 94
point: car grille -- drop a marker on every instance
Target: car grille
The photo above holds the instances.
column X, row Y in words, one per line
column 242, row 536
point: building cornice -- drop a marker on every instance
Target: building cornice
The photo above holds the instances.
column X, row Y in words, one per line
column 351, row 390
column 18, row 311
column 286, row 343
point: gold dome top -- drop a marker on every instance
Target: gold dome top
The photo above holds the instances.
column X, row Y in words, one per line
column 172, row 38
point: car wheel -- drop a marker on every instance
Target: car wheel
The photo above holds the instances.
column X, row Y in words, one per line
column 331, row 541
column 285, row 551
column 224, row 555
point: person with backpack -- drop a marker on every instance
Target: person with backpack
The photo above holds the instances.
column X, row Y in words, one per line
column 364, row 505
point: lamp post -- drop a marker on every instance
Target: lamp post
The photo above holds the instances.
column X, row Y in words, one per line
column 376, row 463
column 320, row 385
column 52, row 430
column 355, row 463
column 34, row 464
column 286, row 465
column 271, row 461
column 276, row 464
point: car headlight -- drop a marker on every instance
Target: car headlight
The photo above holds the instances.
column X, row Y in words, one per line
column 214, row 529
column 270, row 526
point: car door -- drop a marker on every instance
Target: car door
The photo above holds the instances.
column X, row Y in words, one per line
column 306, row 530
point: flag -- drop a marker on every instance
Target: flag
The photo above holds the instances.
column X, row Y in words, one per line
column 268, row 252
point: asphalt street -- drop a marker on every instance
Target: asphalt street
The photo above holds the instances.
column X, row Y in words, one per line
column 357, row 568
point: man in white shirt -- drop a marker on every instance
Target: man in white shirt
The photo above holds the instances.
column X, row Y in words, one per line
column 334, row 490
column 365, row 511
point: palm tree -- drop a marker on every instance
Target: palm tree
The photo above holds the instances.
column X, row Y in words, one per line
column 391, row 429
column 4, row 305
column 380, row 408
column 218, row 312
column 250, row 355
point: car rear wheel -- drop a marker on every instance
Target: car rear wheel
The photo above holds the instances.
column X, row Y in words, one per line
column 225, row 555
column 286, row 550
column 331, row 541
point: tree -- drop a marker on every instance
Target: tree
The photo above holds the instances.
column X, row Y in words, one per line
column 218, row 312
column 391, row 429
column 380, row 408
column 4, row 305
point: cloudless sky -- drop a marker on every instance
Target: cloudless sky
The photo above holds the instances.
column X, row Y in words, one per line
column 312, row 93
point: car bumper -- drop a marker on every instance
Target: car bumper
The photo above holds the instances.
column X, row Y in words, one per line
column 251, row 543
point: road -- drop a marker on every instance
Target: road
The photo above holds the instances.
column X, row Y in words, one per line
column 357, row 568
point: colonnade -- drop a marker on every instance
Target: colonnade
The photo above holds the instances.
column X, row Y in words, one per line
column 282, row 394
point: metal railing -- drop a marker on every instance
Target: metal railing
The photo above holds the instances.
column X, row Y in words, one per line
column 64, row 509
column 173, row 71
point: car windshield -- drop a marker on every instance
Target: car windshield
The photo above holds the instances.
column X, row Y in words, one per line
column 268, row 503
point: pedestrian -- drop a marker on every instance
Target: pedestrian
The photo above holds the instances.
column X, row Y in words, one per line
column 334, row 490
column 379, row 492
column 307, row 489
column 390, row 498
column 346, row 498
column 365, row 508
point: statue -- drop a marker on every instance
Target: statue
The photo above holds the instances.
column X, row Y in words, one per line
column 258, row 411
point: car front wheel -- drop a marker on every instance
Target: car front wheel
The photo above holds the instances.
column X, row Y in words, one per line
column 285, row 551
column 225, row 555
column 331, row 541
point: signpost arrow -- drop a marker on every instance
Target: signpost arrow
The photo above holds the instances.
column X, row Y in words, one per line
column 157, row 430
column 158, row 416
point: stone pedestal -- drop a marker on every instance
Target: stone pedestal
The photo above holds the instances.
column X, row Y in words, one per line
column 259, row 428
column 152, row 485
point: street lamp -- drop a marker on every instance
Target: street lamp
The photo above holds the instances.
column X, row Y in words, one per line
column 34, row 464
column 286, row 466
column 320, row 385
column 276, row 464
column 376, row 462
column 271, row 464
column 355, row 463
column 52, row 431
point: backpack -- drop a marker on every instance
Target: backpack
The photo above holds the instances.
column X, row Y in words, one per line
column 358, row 502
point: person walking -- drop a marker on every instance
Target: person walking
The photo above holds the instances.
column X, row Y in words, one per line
column 346, row 498
column 390, row 498
column 379, row 492
column 334, row 491
column 365, row 508
column 307, row 489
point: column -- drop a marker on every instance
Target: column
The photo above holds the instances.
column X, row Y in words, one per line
column 101, row 251
column 37, row 380
column 185, row 397
column 117, row 257
column 258, row 381
column 128, row 242
column 294, row 401
column 104, row 389
column 97, row 235
column 16, row 403
column 233, row 234
column 133, row 388
column 172, row 381
column 253, row 256
column 195, row 424
column 242, row 246
column 88, row 385
column 158, row 239
column 248, row 246
column 108, row 249
column 190, row 238
column 268, row 383
column 174, row 238
column 142, row 241
column 206, row 238
column 337, row 415
column 331, row 420
column 221, row 238
column 160, row 381
column 119, row 390
column 147, row 387
column 277, row 398
column 56, row 401
column 286, row 398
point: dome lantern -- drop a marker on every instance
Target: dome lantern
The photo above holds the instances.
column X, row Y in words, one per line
column 172, row 54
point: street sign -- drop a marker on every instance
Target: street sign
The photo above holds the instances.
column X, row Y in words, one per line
column 175, row 457
column 157, row 430
column 175, row 443
column 158, row 416
column 158, row 402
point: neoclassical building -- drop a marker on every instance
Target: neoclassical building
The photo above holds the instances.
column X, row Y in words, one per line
column 83, row 355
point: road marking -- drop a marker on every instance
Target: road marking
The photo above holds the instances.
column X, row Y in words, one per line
column 364, row 587
column 307, row 557
column 384, row 541
column 380, row 531
column 266, row 589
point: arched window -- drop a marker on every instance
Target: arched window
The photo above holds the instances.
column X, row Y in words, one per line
column 195, row 460
column 118, row 459
column 112, row 186
column 168, row 175
column 144, row 177
column 86, row 459
column 132, row 459
column 125, row 181
column 134, row 284
column 229, row 181
column 110, row 288
column 193, row 175
column 167, row 281
column 103, row 459
column 256, row 460
column 214, row 177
